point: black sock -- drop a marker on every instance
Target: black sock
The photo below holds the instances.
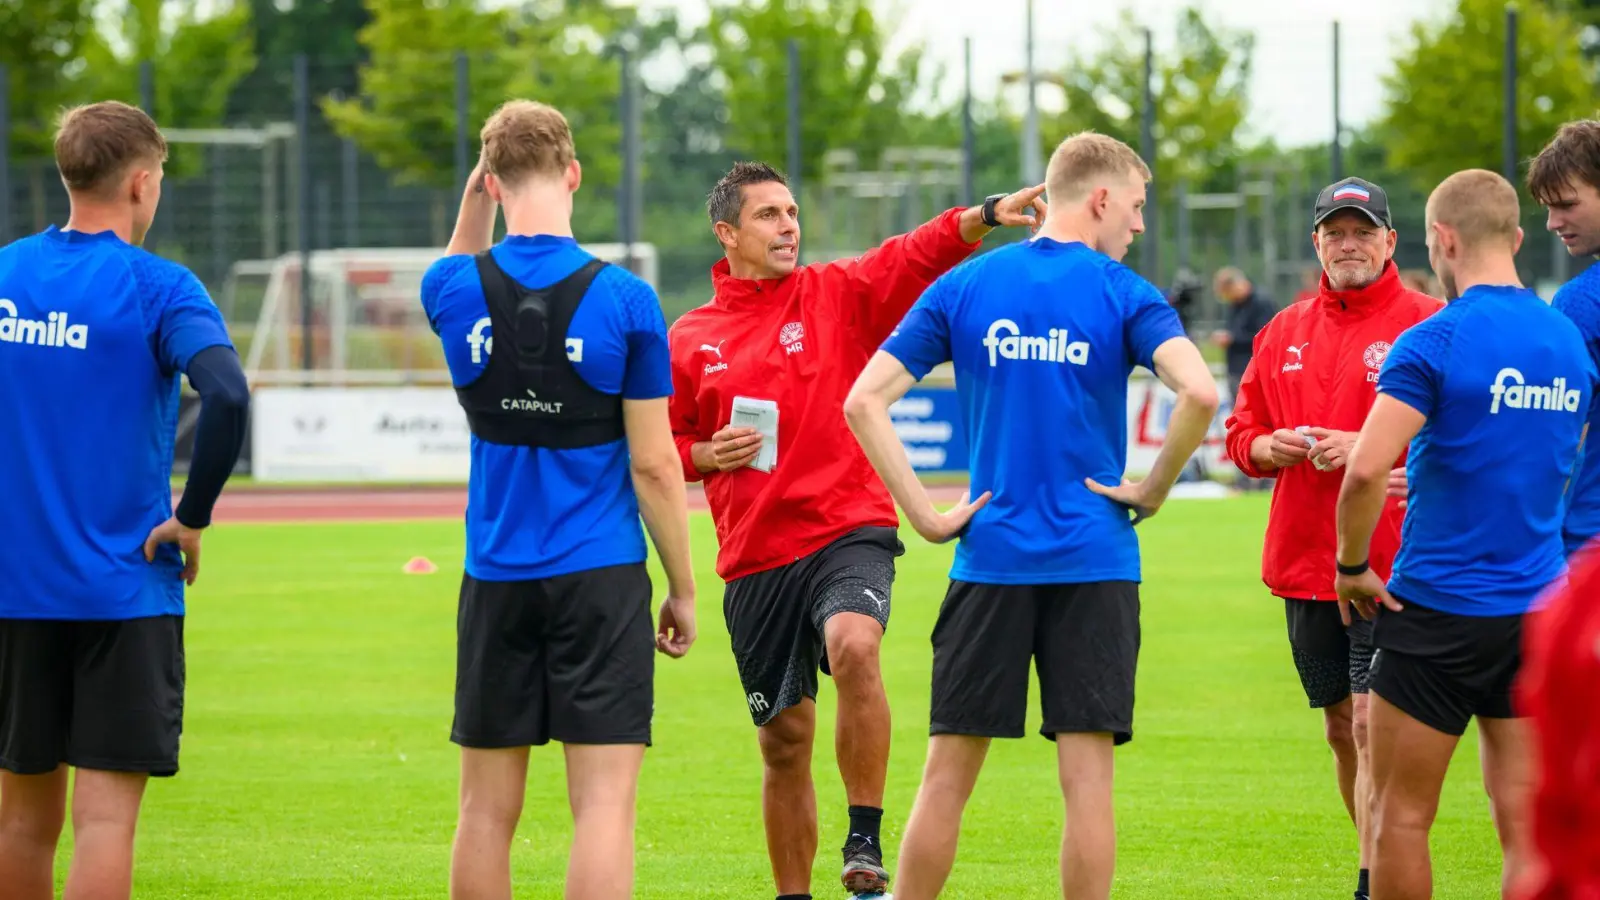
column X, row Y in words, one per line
column 794, row 897
column 864, row 820
column 1363, row 888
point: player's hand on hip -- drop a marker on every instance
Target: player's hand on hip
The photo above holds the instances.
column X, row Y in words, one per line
column 939, row 527
column 1135, row 495
column 1365, row 592
column 1332, row 449
column 733, row 448
column 188, row 540
column 676, row 631
column 1288, row 448
column 1398, row 486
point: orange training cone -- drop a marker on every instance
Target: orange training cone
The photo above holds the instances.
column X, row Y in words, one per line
column 420, row 565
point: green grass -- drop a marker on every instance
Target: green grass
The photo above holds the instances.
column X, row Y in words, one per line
column 316, row 761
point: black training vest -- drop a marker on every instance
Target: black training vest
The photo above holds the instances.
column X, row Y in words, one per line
column 530, row 395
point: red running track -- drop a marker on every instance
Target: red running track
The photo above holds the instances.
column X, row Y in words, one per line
column 272, row 504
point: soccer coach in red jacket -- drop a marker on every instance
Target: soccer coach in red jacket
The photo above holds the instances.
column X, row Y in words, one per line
column 807, row 532
column 1301, row 402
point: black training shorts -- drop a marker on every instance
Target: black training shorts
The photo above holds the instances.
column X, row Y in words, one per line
column 1334, row 661
column 569, row 659
column 776, row 618
column 1082, row 638
column 102, row 695
column 1442, row 668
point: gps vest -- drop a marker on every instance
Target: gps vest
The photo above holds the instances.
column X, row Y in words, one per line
column 529, row 394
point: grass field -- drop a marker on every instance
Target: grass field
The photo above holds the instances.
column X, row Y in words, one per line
column 316, row 761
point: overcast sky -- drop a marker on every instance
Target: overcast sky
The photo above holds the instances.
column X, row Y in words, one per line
column 1291, row 88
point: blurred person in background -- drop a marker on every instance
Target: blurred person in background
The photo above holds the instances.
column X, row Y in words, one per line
column 560, row 364
column 1246, row 310
column 1565, row 179
column 95, row 334
column 1310, row 280
column 1185, row 293
column 1303, row 398
column 807, row 532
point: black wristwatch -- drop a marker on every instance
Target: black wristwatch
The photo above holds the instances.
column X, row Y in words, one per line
column 1357, row 569
column 988, row 209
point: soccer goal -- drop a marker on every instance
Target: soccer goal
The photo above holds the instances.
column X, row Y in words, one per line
column 365, row 313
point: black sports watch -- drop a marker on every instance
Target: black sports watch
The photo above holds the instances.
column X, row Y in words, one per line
column 988, row 209
column 1357, row 569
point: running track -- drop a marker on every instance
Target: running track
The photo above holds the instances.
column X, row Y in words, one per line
column 273, row 504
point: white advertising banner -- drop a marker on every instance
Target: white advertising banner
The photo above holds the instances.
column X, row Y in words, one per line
column 358, row 434
column 1150, row 406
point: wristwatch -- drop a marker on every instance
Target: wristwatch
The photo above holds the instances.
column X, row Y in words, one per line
column 1357, row 569
column 988, row 209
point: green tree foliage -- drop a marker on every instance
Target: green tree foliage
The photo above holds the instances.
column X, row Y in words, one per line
column 850, row 91
column 1443, row 109
column 198, row 52
column 1201, row 93
column 40, row 44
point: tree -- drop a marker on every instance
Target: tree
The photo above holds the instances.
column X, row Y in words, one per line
column 1201, row 98
column 39, row 41
column 849, row 89
column 1443, row 109
column 324, row 30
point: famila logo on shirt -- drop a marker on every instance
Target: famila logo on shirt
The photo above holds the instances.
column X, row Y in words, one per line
column 1556, row 396
column 481, row 340
column 1005, row 340
column 54, row 331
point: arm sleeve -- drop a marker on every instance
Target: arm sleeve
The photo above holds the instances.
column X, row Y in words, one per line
column 1412, row 373
column 923, row 339
column 648, row 375
column 880, row 286
column 215, row 373
column 684, row 412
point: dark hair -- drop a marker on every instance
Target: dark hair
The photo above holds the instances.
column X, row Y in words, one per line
column 97, row 142
column 1572, row 156
column 727, row 198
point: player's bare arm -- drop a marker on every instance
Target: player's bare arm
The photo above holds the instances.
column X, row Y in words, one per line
column 883, row 382
column 474, row 231
column 1180, row 367
column 664, row 506
column 1389, row 428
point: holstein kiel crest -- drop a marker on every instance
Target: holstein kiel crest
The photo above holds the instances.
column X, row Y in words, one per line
column 790, row 336
column 1373, row 356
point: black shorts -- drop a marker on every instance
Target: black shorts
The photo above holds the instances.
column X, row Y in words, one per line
column 94, row 695
column 1442, row 668
column 1083, row 638
column 1333, row 661
column 569, row 659
column 776, row 618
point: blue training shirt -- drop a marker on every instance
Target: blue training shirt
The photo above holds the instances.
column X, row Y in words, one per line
column 1579, row 299
column 93, row 335
column 1506, row 384
column 1043, row 336
column 534, row 512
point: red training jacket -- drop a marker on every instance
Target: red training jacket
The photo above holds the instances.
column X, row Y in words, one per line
column 1556, row 691
column 799, row 340
column 1316, row 363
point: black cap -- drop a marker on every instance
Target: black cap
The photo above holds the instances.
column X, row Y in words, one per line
column 1352, row 193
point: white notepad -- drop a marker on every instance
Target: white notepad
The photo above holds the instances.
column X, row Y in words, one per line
column 762, row 415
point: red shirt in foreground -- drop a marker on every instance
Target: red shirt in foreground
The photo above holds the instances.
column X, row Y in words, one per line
column 1316, row 363
column 799, row 340
column 1559, row 690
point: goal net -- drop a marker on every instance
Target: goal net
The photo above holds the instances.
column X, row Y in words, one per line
column 366, row 320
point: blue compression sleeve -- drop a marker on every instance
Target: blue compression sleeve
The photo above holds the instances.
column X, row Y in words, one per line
column 218, row 377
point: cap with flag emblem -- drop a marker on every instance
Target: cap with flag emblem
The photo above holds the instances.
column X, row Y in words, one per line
column 1352, row 193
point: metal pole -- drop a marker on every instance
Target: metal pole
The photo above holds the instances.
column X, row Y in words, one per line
column 5, row 154
column 302, row 201
column 147, row 87
column 219, row 220
column 1150, row 248
column 1508, row 162
column 1031, row 166
column 351, row 194
column 463, row 163
column 795, row 159
column 1183, row 223
column 629, row 209
column 1337, row 157
column 968, row 130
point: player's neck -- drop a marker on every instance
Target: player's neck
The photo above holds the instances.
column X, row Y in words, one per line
column 1069, row 230
column 1497, row 272
column 89, row 218
column 535, row 211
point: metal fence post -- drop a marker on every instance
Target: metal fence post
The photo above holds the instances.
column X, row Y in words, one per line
column 147, row 87
column 629, row 204
column 5, row 154
column 795, row 159
column 1337, row 156
column 1150, row 247
column 968, row 130
column 351, row 193
column 302, row 201
column 1509, row 77
column 463, row 99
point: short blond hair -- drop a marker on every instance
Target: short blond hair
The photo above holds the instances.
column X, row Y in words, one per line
column 1480, row 205
column 526, row 139
column 1086, row 158
column 96, row 143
